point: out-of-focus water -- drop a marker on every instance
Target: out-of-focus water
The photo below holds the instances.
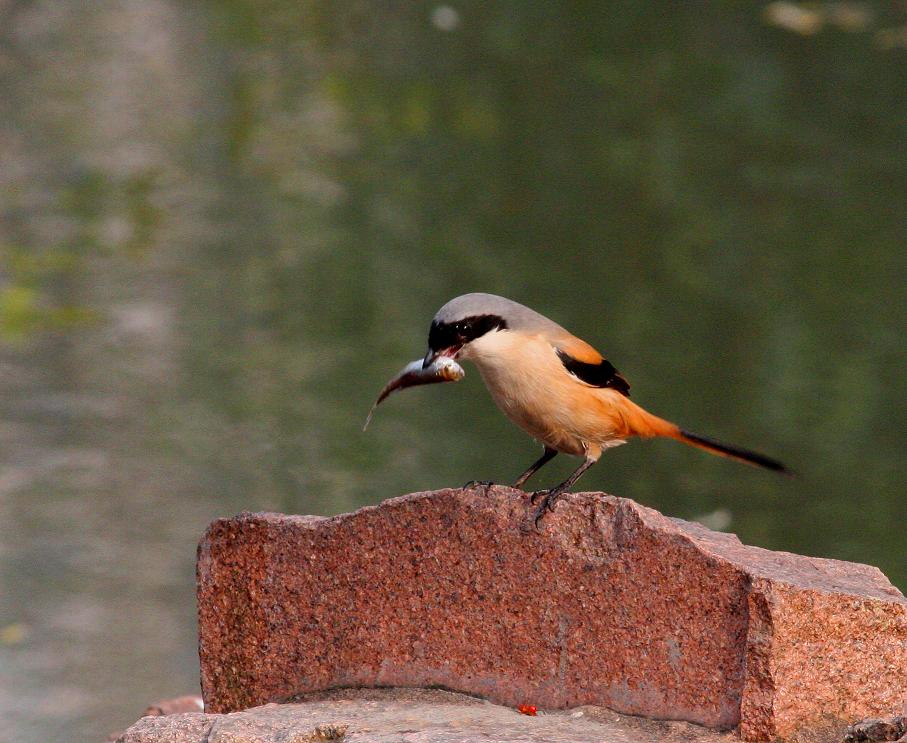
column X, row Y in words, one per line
column 224, row 225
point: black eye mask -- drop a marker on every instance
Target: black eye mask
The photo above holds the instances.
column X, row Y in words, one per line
column 461, row 332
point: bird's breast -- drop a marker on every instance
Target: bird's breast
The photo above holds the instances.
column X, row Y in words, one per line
column 532, row 388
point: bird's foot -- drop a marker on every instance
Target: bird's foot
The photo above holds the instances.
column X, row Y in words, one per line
column 548, row 499
column 484, row 484
column 544, row 494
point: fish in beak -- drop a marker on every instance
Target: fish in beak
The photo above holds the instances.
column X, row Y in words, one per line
column 434, row 368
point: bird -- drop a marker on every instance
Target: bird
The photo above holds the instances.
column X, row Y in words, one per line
column 555, row 386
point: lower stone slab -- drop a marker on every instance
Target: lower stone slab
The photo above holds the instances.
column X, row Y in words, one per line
column 608, row 603
column 410, row 716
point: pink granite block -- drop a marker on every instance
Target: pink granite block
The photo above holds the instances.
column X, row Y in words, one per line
column 609, row 603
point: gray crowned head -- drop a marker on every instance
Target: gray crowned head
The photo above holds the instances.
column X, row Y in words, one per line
column 470, row 316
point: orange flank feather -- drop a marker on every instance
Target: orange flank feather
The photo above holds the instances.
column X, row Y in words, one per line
column 638, row 422
column 578, row 349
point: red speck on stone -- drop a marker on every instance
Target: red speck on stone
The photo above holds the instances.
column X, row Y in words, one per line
column 528, row 709
column 608, row 603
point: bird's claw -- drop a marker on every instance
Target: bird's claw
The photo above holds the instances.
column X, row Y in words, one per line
column 533, row 497
column 549, row 498
column 478, row 483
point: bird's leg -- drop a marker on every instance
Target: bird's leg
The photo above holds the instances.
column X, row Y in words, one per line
column 536, row 466
column 548, row 455
column 549, row 497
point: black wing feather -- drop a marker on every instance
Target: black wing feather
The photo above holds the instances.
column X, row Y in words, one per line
column 598, row 375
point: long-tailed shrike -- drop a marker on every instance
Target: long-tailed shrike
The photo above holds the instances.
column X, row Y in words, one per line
column 553, row 385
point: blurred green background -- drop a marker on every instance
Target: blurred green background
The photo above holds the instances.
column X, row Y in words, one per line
column 224, row 225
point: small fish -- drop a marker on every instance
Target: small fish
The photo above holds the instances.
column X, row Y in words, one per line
column 443, row 369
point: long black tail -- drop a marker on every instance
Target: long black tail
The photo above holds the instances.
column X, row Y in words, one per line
column 734, row 452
